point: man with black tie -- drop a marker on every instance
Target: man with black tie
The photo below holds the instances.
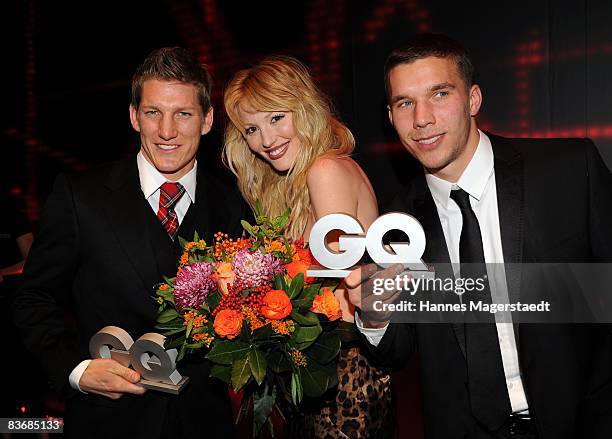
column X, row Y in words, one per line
column 487, row 199
column 106, row 237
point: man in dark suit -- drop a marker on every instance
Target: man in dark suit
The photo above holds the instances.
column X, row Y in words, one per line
column 487, row 199
column 106, row 237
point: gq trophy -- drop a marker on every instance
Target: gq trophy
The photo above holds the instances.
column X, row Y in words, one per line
column 356, row 241
column 147, row 356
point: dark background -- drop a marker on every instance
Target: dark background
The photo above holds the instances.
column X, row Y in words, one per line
column 544, row 68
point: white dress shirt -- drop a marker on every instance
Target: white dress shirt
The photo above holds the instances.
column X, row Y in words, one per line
column 150, row 182
column 478, row 180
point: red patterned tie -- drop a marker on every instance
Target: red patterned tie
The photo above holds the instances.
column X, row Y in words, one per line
column 169, row 195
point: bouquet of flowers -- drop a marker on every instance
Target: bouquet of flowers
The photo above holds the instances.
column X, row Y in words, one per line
column 248, row 305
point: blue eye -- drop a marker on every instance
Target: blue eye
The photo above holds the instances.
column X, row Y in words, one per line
column 442, row 93
column 403, row 104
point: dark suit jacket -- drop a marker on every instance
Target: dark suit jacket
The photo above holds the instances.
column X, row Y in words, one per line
column 555, row 205
column 99, row 252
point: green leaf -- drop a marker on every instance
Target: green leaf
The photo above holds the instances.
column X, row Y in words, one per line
column 314, row 379
column 224, row 373
column 241, row 372
column 167, row 295
column 296, row 285
column 196, row 237
column 169, row 343
column 304, row 336
column 225, row 351
column 304, row 301
column 196, row 345
column 263, row 333
column 325, row 348
column 204, row 307
column 279, row 283
column 278, row 362
column 310, row 319
column 258, row 364
column 170, row 280
column 173, row 324
column 189, row 328
column 297, row 391
column 213, row 300
column 245, row 332
column 263, row 404
column 183, row 242
column 317, row 379
column 167, row 315
column 312, row 290
column 332, row 372
column 301, row 304
column 181, row 353
column 246, row 226
column 173, row 331
column 282, row 220
column 245, row 405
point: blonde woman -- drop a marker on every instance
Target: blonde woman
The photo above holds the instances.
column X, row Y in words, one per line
column 288, row 151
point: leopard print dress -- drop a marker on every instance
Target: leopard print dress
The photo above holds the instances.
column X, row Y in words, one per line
column 362, row 407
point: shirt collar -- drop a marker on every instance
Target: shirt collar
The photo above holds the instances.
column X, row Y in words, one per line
column 474, row 178
column 151, row 179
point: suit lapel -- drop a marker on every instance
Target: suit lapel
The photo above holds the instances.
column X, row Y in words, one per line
column 200, row 210
column 510, row 187
column 424, row 208
column 126, row 212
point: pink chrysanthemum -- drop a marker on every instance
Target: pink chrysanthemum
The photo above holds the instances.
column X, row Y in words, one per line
column 193, row 285
column 255, row 268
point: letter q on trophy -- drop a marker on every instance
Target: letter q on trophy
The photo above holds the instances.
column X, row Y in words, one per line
column 147, row 356
column 355, row 241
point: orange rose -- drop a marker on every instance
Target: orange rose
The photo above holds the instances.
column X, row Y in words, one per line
column 327, row 304
column 228, row 323
column 276, row 305
column 224, row 276
column 302, row 254
column 295, row 267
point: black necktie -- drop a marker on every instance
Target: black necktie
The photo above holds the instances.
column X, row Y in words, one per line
column 486, row 380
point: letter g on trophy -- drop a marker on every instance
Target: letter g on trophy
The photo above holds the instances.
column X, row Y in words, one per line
column 355, row 241
column 147, row 356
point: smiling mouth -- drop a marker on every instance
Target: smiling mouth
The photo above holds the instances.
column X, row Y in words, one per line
column 165, row 147
column 279, row 151
column 427, row 141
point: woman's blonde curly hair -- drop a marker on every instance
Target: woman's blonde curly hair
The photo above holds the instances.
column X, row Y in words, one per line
column 281, row 83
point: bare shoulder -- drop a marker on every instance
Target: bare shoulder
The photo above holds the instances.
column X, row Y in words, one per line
column 338, row 185
column 333, row 170
column 333, row 186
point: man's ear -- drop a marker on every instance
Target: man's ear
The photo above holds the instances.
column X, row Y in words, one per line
column 390, row 114
column 475, row 99
column 134, row 118
column 208, row 121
